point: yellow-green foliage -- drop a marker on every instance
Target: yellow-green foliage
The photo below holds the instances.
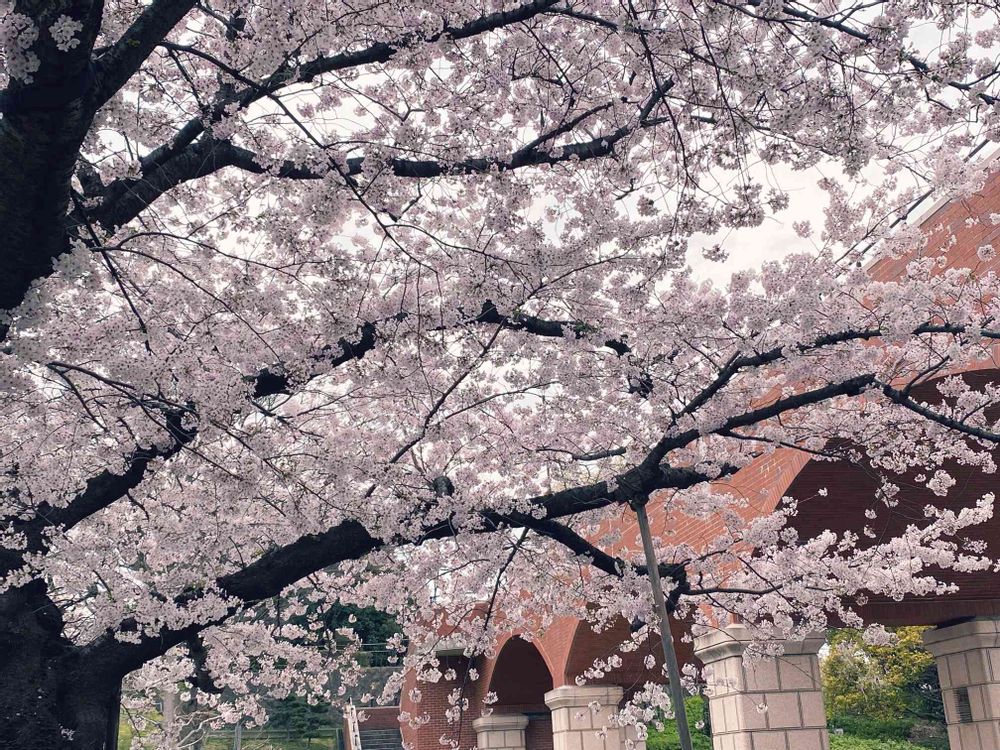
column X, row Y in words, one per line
column 881, row 682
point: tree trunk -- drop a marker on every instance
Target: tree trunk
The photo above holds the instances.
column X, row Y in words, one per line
column 48, row 698
column 43, row 125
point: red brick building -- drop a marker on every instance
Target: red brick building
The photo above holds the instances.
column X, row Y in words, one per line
column 540, row 706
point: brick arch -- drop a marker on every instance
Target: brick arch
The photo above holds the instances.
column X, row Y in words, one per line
column 520, row 675
column 633, row 673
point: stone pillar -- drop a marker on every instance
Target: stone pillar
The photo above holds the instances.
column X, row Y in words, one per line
column 581, row 719
column 772, row 704
column 968, row 663
column 500, row 731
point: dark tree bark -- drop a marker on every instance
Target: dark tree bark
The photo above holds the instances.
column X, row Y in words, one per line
column 49, row 697
column 44, row 122
column 43, row 125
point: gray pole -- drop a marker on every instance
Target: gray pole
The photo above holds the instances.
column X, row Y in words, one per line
column 669, row 654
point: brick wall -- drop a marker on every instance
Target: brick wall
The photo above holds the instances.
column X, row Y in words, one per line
column 434, row 703
column 539, row 733
column 379, row 717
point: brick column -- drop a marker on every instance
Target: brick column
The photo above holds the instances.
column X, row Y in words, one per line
column 772, row 704
column 500, row 731
column 968, row 663
column 581, row 719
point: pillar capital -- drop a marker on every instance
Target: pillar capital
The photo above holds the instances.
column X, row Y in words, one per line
column 949, row 639
column 574, row 696
column 732, row 640
column 500, row 722
column 500, row 731
column 582, row 718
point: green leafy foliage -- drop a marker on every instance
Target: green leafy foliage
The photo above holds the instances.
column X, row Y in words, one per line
column 668, row 739
column 371, row 625
column 850, row 742
column 919, row 733
column 298, row 716
column 890, row 683
column 870, row 728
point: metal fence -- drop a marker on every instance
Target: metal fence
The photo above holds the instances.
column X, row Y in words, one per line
column 325, row 738
column 378, row 655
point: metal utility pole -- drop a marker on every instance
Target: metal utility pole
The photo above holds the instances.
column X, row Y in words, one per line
column 666, row 637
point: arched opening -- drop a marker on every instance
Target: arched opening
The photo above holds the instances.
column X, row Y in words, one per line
column 589, row 647
column 520, row 680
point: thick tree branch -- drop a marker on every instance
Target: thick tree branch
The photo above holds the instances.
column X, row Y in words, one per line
column 349, row 540
column 613, row 566
column 124, row 58
column 902, row 398
column 274, row 571
column 99, row 493
column 125, row 199
column 382, row 52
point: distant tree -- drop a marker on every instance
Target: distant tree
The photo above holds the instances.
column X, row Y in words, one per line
column 335, row 624
column 297, row 715
column 881, row 681
column 370, row 625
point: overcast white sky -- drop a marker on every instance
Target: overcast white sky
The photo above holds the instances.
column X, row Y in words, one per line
column 749, row 248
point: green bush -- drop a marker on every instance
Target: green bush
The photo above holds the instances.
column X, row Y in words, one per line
column 867, row 727
column 668, row 739
column 860, row 733
column 918, row 733
column 850, row 742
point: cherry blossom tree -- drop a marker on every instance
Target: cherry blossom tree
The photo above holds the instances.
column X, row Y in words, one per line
column 329, row 300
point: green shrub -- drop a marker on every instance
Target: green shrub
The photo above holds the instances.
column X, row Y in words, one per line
column 850, row 742
column 860, row 733
column 668, row 739
column 930, row 734
column 867, row 727
column 923, row 734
